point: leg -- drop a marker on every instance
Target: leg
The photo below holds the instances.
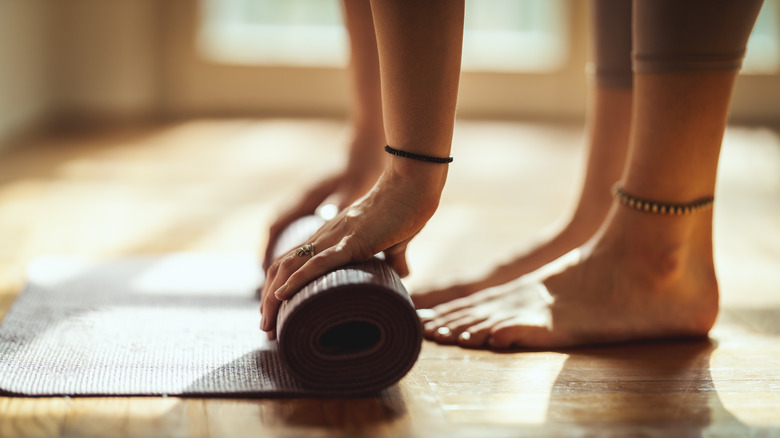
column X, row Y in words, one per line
column 644, row 275
column 365, row 156
column 419, row 46
column 365, row 160
column 609, row 119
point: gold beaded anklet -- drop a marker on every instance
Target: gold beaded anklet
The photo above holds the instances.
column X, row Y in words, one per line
column 646, row 206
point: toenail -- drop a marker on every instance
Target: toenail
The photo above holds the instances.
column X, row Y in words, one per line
column 443, row 331
column 465, row 336
column 426, row 313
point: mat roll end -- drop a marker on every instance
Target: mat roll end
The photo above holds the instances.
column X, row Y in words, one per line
column 352, row 331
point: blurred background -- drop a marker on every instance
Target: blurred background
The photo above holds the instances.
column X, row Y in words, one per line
column 96, row 61
column 153, row 126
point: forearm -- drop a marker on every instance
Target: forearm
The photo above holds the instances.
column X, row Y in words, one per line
column 419, row 46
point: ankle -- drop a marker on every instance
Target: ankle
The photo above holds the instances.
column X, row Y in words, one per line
column 663, row 249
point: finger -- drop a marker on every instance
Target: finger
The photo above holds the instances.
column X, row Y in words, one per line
column 287, row 267
column 307, row 205
column 278, row 274
column 314, row 267
column 270, row 310
column 273, row 235
column 270, row 276
column 396, row 258
column 269, row 304
column 279, row 226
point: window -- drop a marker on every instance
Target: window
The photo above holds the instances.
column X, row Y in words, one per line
column 763, row 49
column 500, row 35
column 273, row 32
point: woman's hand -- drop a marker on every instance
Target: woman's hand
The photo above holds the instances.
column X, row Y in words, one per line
column 339, row 190
column 385, row 219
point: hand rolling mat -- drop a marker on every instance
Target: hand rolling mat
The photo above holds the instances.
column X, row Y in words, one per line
column 187, row 324
column 355, row 328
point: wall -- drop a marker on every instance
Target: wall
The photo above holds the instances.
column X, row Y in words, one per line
column 192, row 85
column 24, row 88
column 137, row 59
column 105, row 56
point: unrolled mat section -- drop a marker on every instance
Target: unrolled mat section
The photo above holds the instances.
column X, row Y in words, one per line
column 187, row 324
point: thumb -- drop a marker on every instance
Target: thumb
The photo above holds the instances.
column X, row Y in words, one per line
column 396, row 258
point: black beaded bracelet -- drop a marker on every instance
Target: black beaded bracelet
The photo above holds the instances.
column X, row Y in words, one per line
column 419, row 157
column 648, row 206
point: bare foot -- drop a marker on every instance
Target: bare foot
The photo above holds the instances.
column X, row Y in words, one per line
column 608, row 136
column 547, row 248
column 590, row 214
column 644, row 276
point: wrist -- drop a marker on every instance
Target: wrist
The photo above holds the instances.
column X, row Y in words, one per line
column 421, row 182
column 366, row 155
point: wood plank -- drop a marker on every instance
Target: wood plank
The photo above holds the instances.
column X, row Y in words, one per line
column 32, row 417
column 94, row 417
column 166, row 417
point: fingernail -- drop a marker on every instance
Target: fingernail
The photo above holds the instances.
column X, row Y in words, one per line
column 429, row 326
column 465, row 336
column 280, row 293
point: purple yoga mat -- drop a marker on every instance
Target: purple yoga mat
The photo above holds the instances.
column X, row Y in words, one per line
column 187, row 324
column 354, row 329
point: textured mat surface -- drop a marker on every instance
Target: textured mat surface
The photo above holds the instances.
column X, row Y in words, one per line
column 178, row 324
column 352, row 330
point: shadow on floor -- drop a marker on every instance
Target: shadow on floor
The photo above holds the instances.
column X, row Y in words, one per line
column 648, row 389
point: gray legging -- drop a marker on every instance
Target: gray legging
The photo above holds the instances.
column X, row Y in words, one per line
column 668, row 36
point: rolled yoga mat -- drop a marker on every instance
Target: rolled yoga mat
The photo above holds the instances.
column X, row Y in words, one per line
column 187, row 324
column 353, row 330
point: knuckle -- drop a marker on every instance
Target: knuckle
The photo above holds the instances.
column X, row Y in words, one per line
column 354, row 248
column 316, row 263
column 286, row 263
column 269, row 298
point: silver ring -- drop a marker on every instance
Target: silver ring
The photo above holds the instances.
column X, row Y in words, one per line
column 305, row 250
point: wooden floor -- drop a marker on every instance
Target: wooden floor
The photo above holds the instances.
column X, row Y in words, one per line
column 213, row 185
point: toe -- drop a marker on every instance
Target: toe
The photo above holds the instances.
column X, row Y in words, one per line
column 476, row 336
column 443, row 311
column 516, row 333
column 426, row 315
column 452, row 306
column 450, row 332
column 431, row 328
